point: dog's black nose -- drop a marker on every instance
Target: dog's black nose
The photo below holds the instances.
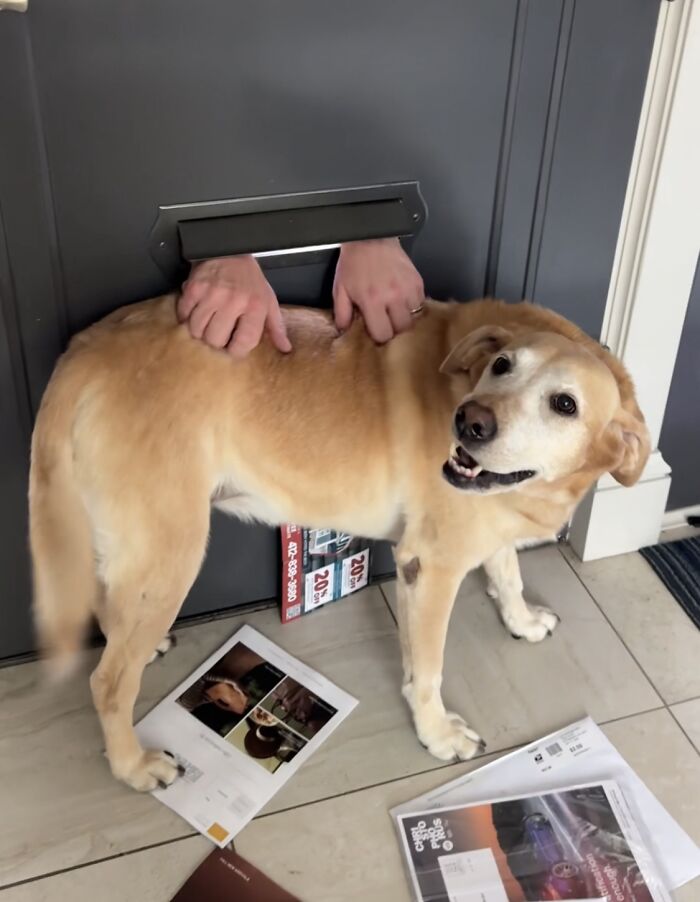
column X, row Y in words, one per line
column 475, row 423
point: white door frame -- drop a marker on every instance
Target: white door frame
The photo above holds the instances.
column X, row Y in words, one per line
column 652, row 276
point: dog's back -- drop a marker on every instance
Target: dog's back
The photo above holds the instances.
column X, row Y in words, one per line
column 140, row 425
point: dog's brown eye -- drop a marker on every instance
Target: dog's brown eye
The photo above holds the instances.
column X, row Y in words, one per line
column 563, row 404
column 501, row 365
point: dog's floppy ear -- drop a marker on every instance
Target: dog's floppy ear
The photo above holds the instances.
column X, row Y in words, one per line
column 631, row 444
column 474, row 350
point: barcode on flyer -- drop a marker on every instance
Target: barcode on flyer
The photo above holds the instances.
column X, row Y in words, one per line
column 553, row 749
column 241, row 805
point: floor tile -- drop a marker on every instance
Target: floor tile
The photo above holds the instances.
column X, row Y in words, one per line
column 60, row 805
column 511, row 691
column 688, row 716
column 661, row 754
column 678, row 533
column 650, row 621
column 314, row 850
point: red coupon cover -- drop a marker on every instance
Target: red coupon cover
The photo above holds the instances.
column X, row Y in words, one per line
column 320, row 566
column 292, row 593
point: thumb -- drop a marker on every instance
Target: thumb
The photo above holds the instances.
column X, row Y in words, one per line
column 342, row 306
column 278, row 330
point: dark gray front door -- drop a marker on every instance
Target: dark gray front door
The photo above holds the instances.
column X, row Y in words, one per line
column 517, row 118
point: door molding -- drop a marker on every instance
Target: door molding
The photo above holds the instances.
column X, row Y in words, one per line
column 652, row 276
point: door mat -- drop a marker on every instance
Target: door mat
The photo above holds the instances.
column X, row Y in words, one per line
column 677, row 564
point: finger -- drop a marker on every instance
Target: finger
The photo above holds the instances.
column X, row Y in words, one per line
column 277, row 329
column 247, row 333
column 193, row 291
column 220, row 327
column 218, row 297
column 378, row 323
column 419, row 294
column 199, row 319
column 400, row 316
column 342, row 306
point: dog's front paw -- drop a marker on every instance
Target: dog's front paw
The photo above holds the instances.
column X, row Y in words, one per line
column 152, row 770
column 450, row 737
column 163, row 647
column 535, row 624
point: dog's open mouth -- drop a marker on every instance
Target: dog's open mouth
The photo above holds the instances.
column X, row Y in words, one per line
column 463, row 472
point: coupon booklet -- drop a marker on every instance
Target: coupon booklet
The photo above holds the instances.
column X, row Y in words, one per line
column 320, row 566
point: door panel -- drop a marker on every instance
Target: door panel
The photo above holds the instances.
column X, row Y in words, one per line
column 15, row 621
column 679, row 435
column 194, row 105
column 597, row 95
column 172, row 101
column 518, row 119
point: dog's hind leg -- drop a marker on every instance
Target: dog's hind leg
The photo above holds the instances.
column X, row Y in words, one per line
column 522, row 620
column 146, row 583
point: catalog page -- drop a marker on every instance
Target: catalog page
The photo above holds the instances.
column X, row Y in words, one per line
column 578, row 843
column 240, row 726
column 579, row 753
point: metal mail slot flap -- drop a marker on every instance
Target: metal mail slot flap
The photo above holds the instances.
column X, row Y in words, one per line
column 284, row 225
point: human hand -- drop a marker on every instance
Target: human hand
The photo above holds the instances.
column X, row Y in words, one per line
column 379, row 279
column 228, row 303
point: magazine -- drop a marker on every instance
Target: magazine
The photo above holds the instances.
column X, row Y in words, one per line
column 578, row 843
column 240, row 726
column 320, row 566
column 578, row 753
column 226, row 877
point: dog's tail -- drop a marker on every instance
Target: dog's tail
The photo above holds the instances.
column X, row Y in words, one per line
column 60, row 533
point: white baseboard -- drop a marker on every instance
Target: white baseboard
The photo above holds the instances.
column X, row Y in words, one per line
column 613, row 519
column 678, row 517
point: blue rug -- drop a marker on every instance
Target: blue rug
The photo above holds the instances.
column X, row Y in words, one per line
column 678, row 566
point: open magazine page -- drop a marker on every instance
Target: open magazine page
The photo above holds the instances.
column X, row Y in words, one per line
column 240, row 726
column 578, row 844
column 579, row 753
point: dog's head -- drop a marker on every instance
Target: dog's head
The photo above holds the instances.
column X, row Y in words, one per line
column 543, row 407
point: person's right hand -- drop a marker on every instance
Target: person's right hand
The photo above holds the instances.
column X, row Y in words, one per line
column 228, row 303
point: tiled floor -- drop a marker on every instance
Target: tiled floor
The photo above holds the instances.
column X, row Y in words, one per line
column 625, row 653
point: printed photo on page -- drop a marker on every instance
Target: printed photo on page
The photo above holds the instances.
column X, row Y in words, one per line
column 576, row 844
column 240, row 726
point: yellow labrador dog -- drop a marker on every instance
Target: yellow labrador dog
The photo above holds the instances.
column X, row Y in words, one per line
column 479, row 429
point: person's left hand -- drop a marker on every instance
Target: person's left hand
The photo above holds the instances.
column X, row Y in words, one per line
column 379, row 279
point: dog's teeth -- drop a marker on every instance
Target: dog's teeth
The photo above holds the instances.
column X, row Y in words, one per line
column 476, row 470
column 458, row 468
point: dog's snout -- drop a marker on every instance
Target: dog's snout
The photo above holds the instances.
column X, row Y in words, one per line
column 475, row 423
